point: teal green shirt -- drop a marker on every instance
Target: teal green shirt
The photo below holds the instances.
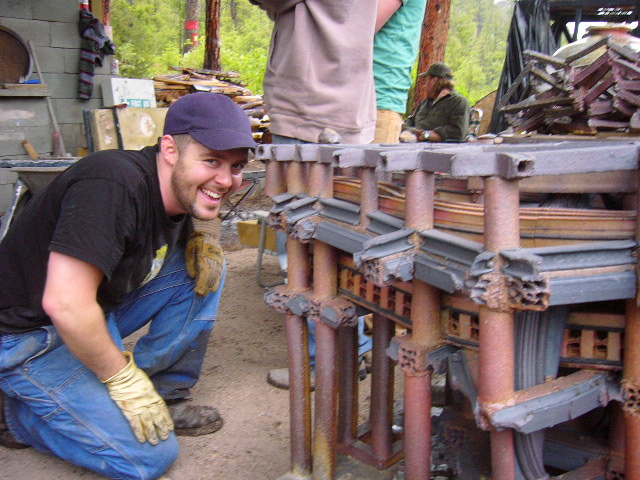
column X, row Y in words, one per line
column 395, row 48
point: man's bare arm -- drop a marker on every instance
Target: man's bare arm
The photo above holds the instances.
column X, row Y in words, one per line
column 70, row 300
column 386, row 9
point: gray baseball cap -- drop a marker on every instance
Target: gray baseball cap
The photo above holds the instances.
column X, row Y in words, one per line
column 438, row 69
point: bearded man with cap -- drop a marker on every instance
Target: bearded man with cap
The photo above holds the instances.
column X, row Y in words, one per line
column 106, row 248
column 443, row 115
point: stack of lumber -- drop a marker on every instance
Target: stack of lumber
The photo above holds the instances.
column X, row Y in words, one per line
column 566, row 95
column 172, row 86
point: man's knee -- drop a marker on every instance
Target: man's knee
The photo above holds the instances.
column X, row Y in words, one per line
column 146, row 463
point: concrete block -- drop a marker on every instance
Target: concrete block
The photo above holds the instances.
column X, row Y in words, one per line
column 38, row 32
column 22, row 112
column 65, row 35
column 11, row 141
column 62, row 85
column 7, row 186
column 74, row 137
column 15, row 8
column 56, row 10
column 69, row 110
column 71, row 58
column 49, row 60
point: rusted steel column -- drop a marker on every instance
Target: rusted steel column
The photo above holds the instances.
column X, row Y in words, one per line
column 419, row 204
column 631, row 385
column 320, row 180
column 631, row 375
column 381, row 410
column 368, row 194
column 325, row 281
column 298, row 276
column 425, row 335
column 497, row 332
column 275, row 181
column 348, row 385
column 296, row 178
column 616, row 437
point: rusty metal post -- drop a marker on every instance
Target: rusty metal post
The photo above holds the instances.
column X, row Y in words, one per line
column 298, row 276
column 381, row 410
column 631, row 385
column 425, row 335
column 497, row 331
column 368, row 194
column 275, row 181
column 348, row 385
column 325, row 282
column 296, row 176
column 631, row 376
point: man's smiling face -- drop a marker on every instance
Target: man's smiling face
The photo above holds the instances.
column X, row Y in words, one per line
column 202, row 178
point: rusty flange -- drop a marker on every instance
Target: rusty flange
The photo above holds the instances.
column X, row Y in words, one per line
column 383, row 271
column 335, row 312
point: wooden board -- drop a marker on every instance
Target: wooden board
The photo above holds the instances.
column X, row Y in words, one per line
column 103, row 133
column 140, row 127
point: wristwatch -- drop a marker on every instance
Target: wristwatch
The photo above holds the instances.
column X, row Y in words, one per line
column 424, row 136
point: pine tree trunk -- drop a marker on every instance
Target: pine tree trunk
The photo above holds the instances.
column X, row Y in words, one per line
column 212, row 50
column 191, row 26
column 433, row 42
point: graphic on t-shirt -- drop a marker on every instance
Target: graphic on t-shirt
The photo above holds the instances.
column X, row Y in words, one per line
column 156, row 265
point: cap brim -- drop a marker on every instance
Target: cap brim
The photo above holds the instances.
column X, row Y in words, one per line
column 224, row 139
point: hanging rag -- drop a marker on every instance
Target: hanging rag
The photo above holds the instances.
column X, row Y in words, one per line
column 94, row 45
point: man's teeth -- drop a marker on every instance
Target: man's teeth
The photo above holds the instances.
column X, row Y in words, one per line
column 213, row 195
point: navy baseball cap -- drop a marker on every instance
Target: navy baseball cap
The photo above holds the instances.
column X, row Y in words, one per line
column 214, row 120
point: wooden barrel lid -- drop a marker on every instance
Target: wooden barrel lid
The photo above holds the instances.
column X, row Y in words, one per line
column 15, row 59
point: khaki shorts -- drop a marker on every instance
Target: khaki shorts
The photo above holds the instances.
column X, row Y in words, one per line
column 388, row 127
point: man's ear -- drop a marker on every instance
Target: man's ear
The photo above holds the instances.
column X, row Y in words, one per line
column 169, row 149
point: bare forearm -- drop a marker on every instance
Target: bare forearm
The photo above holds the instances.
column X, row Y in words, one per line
column 386, row 9
column 70, row 301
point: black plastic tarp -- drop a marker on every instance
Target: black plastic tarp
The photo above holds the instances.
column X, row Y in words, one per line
column 530, row 30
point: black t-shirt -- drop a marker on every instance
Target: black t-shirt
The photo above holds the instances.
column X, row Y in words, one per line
column 106, row 210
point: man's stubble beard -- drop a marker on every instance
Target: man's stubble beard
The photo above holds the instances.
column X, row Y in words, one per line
column 181, row 188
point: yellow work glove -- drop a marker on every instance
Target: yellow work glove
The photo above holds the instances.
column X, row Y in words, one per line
column 136, row 396
column 204, row 256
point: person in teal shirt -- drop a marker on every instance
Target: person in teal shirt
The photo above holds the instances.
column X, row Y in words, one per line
column 395, row 49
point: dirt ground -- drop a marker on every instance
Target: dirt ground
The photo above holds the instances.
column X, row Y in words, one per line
column 248, row 340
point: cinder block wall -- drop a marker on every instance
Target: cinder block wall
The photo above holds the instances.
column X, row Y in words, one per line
column 52, row 27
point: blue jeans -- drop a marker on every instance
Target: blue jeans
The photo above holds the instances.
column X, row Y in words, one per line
column 56, row 404
column 364, row 342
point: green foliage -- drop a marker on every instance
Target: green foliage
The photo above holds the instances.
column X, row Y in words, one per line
column 245, row 45
column 477, row 44
column 148, row 36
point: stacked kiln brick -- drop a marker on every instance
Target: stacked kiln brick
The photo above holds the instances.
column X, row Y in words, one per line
column 524, row 307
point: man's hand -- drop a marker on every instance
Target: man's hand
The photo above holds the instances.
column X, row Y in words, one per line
column 204, row 256
column 409, row 136
column 145, row 410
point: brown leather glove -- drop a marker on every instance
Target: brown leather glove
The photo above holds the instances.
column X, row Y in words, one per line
column 204, row 256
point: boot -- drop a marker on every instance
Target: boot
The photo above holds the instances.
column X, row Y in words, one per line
column 279, row 378
column 6, row 438
column 193, row 420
